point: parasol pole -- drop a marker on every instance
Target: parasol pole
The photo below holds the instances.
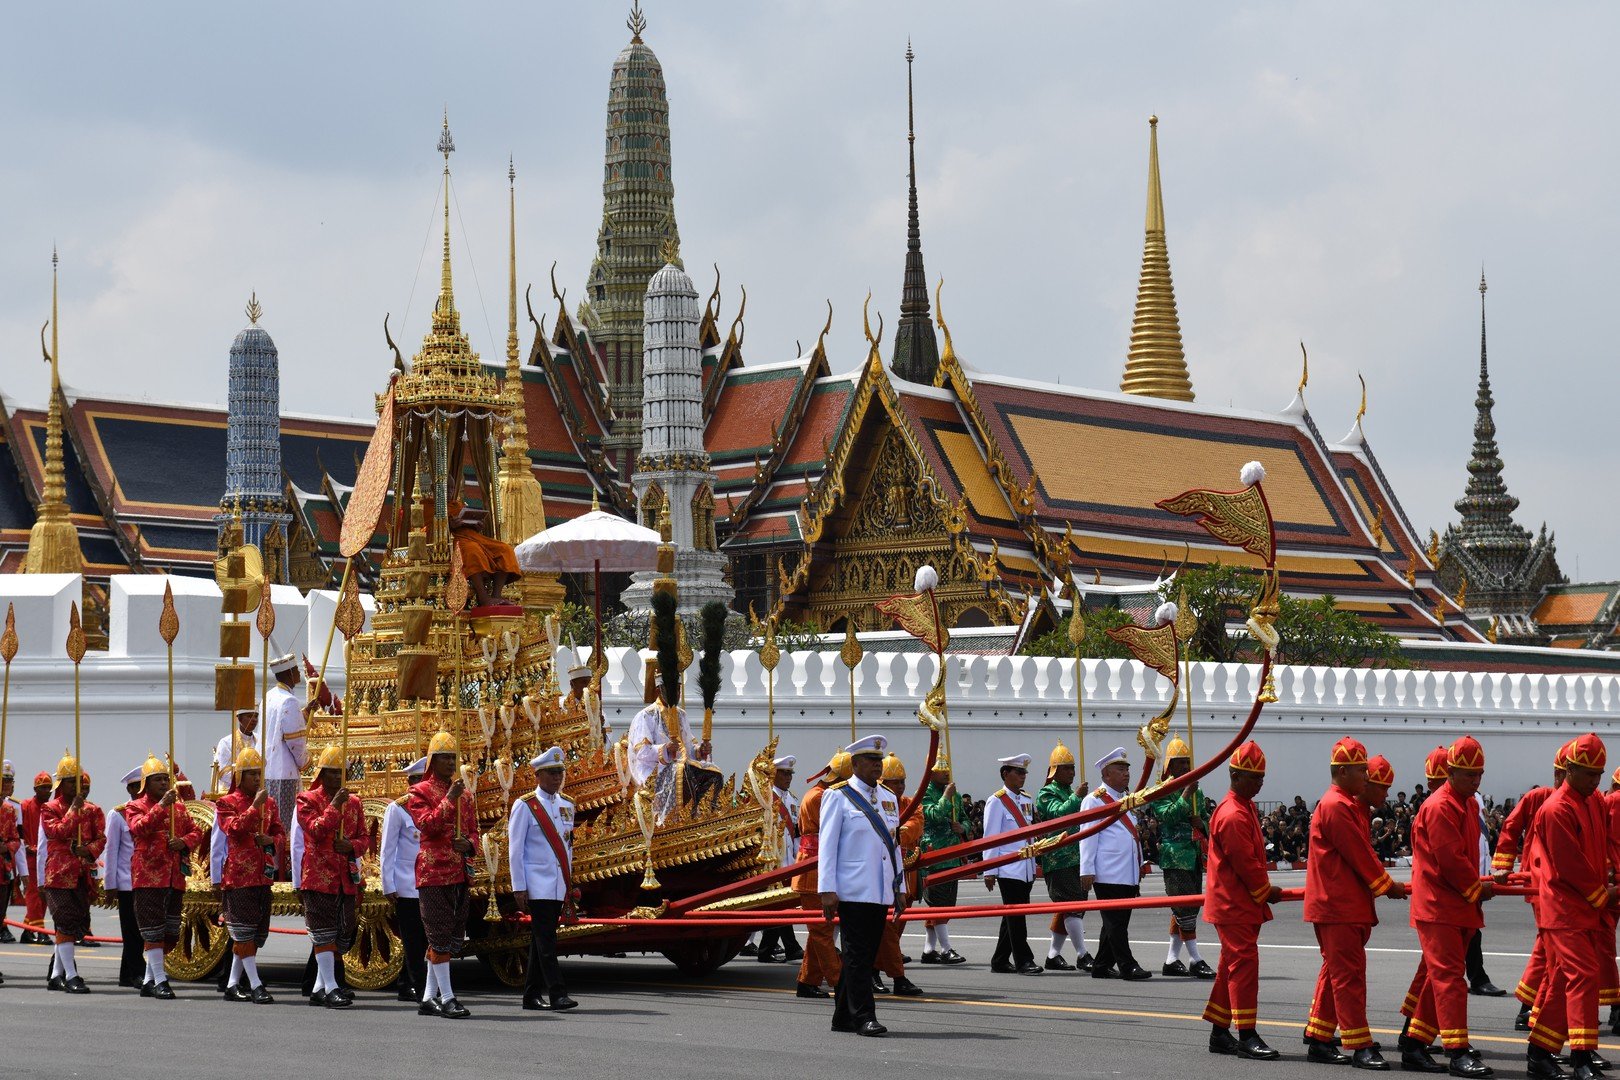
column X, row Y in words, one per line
column 331, row 632
column 168, row 629
column 851, row 655
column 75, row 650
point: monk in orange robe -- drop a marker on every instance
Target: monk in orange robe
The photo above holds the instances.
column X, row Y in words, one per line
column 489, row 564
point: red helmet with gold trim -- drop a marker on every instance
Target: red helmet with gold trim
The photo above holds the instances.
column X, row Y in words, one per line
column 1466, row 753
column 1587, row 752
column 1249, row 758
column 1348, row 751
column 1435, row 765
column 1381, row 772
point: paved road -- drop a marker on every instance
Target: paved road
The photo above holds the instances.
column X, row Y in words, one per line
column 639, row 1017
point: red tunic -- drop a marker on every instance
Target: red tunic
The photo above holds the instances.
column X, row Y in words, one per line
column 10, row 840
column 65, row 827
column 437, row 863
column 31, row 808
column 1236, row 883
column 1569, row 863
column 1515, row 834
column 324, row 869
column 1445, row 861
column 1342, row 872
column 152, row 865
column 242, row 823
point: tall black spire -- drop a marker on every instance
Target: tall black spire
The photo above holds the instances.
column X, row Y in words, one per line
column 916, row 350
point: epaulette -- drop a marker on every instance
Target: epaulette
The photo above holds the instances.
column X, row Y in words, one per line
column 401, row 801
column 565, row 798
column 998, row 793
column 841, row 783
column 119, row 809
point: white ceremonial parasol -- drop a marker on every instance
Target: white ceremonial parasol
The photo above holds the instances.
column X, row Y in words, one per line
column 595, row 542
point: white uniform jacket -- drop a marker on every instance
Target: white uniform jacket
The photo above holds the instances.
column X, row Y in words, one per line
column 856, row 863
column 117, row 854
column 1114, row 855
column 396, row 854
column 529, row 855
column 283, row 724
column 997, row 820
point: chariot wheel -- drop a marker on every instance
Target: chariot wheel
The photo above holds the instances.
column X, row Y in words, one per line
column 375, row 961
column 509, row 964
column 700, row 959
column 204, row 941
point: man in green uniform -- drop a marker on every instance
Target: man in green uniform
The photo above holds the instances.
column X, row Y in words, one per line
column 945, row 817
column 1061, row 864
column 1183, row 831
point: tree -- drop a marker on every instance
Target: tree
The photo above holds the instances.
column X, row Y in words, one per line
column 1219, row 596
column 1097, row 644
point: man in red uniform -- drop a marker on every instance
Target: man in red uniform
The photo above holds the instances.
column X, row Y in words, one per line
column 251, row 825
column 445, row 816
column 163, row 837
column 10, row 846
column 1238, row 895
column 1512, row 843
column 1380, row 778
column 75, row 832
column 1610, row 994
column 1342, row 876
column 821, row 963
column 1569, row 866
column 335, row 837
column 34, row 900
column 1446, row 897
column 1410, row 1042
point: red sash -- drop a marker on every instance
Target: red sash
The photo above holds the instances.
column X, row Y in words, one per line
column 1125, row 818
column 787, row 819
column 549, row 829
column 1012, row 808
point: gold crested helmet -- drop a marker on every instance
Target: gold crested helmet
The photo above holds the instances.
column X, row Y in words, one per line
column 153, row 766
column 1177, row 749
column 942, row 764
column 1061, row 755
column 841, row 767
column 249, row 759
column 330, row 758
column 893, row 768
column 67, row 768
column 442, row 743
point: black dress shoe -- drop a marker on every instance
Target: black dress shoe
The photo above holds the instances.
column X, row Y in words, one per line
column 1201, row 970
column 1522, row 1021
column 1029, row 968
column 163, row 991
column 950, row 958
column 805, row 990
column 336, row 1000
column 1222, row 1042
column 407, row 994
column 76, row 985
column 1100, row 972
column 1581, row 1067
column 929, row 956
column 562, row 1003
column 1085, row 962
column 877, row 984
column 1175, row 969
column 317, row 999
column 1318, row 1052
column 1487, row 989
column 6, row 937
column 54, row 982
column 843, row 1027
column 1057, row 963
column 1542, row 1065
column 341, row 992
column 772, row 957
column 1252, row 1046
column 1466, row 1063
column 793, row 955
column 1599, row 1062
column 534, row 1004
column 1002, row 969
column 748, row 950
column 451, row 1009
column 86, row 943
column 238, row 992
column 146, row 989
column 904, row 987
column 1415, row 1057
column 260, row 995
column 1135, row 973
column 429, row 1007
column 872, row 1030
column 1368, row 1057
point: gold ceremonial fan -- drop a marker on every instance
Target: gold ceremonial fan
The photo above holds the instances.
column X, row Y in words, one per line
column 247, row 574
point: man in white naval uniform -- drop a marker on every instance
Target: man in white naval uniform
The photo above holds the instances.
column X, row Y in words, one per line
column 285, row 750
column 1112, row 861
column 860, row 876
column 396, row 864
column 117, row 883
column 539, row 857
column 1008, row 809
column 247, row 724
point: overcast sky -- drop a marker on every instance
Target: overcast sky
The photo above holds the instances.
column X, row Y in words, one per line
column 1332, row 172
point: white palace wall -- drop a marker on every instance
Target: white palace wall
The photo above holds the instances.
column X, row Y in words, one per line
column 999, row 705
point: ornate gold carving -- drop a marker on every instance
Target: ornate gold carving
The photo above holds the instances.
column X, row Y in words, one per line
column 1238, row 518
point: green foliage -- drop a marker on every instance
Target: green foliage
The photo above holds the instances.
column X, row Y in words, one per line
column 578, row 623
column 1219, row 596
column 1097, row 644
column 712, row 619
column 791, row 636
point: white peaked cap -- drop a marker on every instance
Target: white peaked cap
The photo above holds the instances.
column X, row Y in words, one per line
column 417, row 768
column 578, row 671
column 281, row 664
column 8, row 769
column 871, row 744
column 1116, row 754
column 786, row 761
column 551, row 759
column 130, row 777
column 1017, row 761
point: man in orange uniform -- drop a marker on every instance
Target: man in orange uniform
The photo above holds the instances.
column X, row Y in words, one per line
column 34, row 899
column 1513, row 843
column 1410, row 1042
column 1569, row 866
column 1342, row 877
column 1446, row 895
column 821, row 961
column 75, row 832
column 251, row 825
column 890, row 961
column 162, row 837
column 446, row 818
column 1238, row 895
column 335, row 837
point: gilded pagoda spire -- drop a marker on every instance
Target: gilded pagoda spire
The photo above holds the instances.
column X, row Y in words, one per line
column 1486, row 507
column 445, row 317
column 1156, row 366
column 53, row 542
column 446, row 353
column 523, row 507
column 916, row 351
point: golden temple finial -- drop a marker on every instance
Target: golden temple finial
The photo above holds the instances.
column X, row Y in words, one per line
column 254, row 309
column 939, row 317
column 447, row 146
column 637, row 22
column 519, row 495
column 1462, row 593
column 1304, row 369
column 1362, row 411
column 53, row 542
column 670, row 250
column 1411, row 571
column 1490, row 633
column 1155, row 364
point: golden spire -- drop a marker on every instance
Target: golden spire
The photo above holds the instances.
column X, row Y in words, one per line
column 53, row 542
column 1155, row 365
column 444, row 313
column 522, row 504
column 445, row 349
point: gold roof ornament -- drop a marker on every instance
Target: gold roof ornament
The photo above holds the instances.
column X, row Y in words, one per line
column 53, row 542
column 517, row 492
column 254, row 310
column 1155, row 365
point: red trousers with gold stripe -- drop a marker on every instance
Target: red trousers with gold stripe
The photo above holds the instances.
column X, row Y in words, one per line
column 1341, row 987
column 1609, row 991
column 1234, row 999
column 1567, row 1004
column 1442, row 998
column 821, row 960
column 1535, row 972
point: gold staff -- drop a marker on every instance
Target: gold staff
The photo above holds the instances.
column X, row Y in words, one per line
column 75, row 650
column 168, row 630
column 1186, row 626
column 769, row 657
column 851, row 655
column 267, row 625
column 8, row 653
column 349, row 619
column 331, row 631
column 1077, row 638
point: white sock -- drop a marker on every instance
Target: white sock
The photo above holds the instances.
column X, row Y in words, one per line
column 1076, row 927
column 250, row 965
column 933, row 938
column 943, row 933
column 1192, row 949
column 64, row 961
column 325, row 971
column 236, row 971
column 56, row 967
column 431, row 990
column 154, row 965
column 1175, row 949
column 1057, row 944
column 442, row 974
